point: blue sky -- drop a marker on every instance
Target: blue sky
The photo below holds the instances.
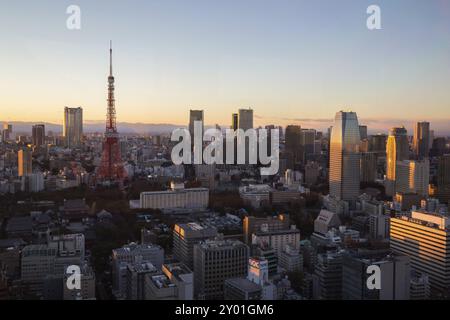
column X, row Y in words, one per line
column 293, row 61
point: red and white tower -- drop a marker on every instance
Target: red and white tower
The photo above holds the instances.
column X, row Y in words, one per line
column 111, row 169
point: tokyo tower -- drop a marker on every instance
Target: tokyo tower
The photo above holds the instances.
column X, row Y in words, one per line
column 111, row 168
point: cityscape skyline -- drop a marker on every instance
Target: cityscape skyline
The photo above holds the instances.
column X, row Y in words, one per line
column 163, row 74
column 278, row 202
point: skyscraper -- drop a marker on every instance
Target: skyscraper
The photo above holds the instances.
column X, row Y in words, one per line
column 378, row 144
column 7, row 132
column 363, row 132
column 345, row 157
column 368, row 166
column 443, row 178
column 397, row 149
column 38, row 135
column 308, row 138
column 24, row 162
column 293, row 143
column 195, row 115
column 421, row 142
column 234, row 121
column 111, row 168
column 73, row 127
column 245, row 119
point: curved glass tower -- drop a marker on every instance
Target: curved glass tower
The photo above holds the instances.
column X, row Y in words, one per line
column 345, row 157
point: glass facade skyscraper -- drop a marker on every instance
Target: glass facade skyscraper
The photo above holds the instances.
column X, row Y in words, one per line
column 345, row 157
column 397, row 149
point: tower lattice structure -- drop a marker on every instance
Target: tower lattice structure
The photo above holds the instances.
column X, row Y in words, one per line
column 111, row 168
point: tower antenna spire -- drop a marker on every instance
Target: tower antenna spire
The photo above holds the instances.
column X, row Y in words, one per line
column 110, row 58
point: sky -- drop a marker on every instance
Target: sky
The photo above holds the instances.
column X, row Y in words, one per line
column 292, row 61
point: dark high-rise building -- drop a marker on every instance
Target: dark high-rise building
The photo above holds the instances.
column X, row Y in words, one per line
column 293, row 139
column 38, row 135
column 195, row 115
column 439, row 147
column 421, row 142
column 216, row 261
column 395, row 276
column 377, row 143
column 363, row 132
column 234, row 121
column 368, row 166
column 308, row 138
column 443, row 178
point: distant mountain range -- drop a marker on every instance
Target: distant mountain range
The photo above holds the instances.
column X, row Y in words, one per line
column 98, row 126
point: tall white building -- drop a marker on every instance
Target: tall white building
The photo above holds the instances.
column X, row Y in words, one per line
column 345, row 157
column 73, row 126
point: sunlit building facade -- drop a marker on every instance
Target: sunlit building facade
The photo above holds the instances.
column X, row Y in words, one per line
column 345, row 157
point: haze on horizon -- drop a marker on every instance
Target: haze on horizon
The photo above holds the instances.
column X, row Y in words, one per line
column 291, row 61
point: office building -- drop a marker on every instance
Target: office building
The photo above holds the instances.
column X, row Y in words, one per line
column 394, row 276
column 368, row 166
column 312, row 173
column 73, row 127
column 245, row 119
column 307, row 141
column 443, row 179
column 182, row 277
column 397, row 150
column 176, row 198
column 216, row 261
column 25, row 160
column 293, row 144
column 420, row 286
column 412, row 176
column 196, row 115
column 7, row 133
column 40, row 260
column 327, row 277
column 421, row 140
column 425, row 238
column 290, row 259
column 277, row 239
column 234, row 121
column 241, row 289
column 135, row 279
column 133, row 254
column 185, row 236
column 377, row 144
column 363, row 132
column 345, row 157
column 252, row 224
column 38, row 135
